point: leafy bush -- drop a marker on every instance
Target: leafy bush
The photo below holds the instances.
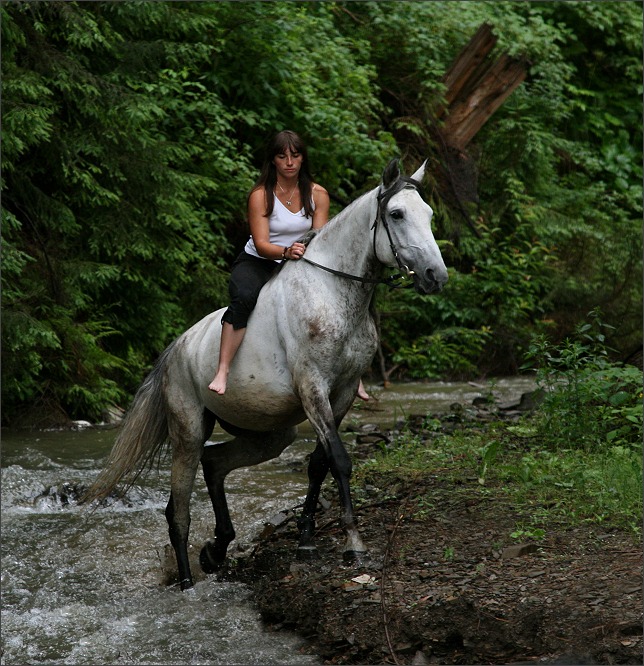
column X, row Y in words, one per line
column 590, row 402
column 483, row 320
column 454, row 351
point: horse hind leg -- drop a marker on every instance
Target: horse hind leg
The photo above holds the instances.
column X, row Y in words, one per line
column 247, row 448
column 213, row 553
column 187, row 436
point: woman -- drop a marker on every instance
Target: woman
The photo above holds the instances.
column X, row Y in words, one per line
column 283, row 205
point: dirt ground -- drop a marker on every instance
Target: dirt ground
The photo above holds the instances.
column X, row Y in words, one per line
column 444, row 583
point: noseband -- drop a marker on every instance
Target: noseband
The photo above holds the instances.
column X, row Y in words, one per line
column 383, row 199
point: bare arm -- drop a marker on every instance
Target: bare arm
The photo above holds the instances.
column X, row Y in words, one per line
column 259, row 224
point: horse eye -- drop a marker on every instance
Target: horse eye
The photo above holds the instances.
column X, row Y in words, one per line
column 396, row 214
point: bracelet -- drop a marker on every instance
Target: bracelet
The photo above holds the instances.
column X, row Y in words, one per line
column 284, row 253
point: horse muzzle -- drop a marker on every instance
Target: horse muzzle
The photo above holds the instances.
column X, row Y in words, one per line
column 431, row 281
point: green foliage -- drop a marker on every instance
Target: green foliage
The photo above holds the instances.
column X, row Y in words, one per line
column 488, row 311
column 603, row 486
column 528, row 533
column 559, row 167
column 454, row 351
column 577, row 458
column 488, row 455
column 103, row 202
column 132, row 132
column 127, row 161
column 582, row 198
column 590, row 402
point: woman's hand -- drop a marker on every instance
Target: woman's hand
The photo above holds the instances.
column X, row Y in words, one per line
column 295, row 251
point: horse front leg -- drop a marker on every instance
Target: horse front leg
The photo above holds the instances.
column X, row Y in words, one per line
column 339, row 462
column 341, row 468
column 318, row 469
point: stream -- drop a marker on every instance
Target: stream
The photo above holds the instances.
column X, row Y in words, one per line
column 87, row 587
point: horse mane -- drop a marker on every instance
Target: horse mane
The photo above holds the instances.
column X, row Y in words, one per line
column 328, row 228
column 400, row 183
column 338, row 218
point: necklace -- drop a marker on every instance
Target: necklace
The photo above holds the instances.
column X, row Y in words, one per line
column 289, row 199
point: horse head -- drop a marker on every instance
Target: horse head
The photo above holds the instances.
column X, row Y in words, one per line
column 403, row 235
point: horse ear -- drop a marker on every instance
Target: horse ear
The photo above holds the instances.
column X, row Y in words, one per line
column 391, row 173
column 420, row 173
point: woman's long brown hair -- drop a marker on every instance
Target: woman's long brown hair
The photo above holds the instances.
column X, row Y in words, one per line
column 268, row 176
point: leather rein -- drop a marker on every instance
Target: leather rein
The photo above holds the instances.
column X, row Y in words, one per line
column 406, row 273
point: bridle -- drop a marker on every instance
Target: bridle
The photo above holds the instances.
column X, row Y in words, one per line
column 383, row 198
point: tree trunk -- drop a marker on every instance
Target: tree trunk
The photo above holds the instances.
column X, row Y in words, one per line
column 476, row 86
column 467, row 62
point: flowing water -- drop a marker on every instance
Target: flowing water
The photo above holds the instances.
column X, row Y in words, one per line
column 81, row 587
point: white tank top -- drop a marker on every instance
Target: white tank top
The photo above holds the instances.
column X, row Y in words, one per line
column 284, row 228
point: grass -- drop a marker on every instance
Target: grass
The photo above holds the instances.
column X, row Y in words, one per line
column 569, row 485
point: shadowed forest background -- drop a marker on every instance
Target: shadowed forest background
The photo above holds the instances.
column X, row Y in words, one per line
column 132, row 133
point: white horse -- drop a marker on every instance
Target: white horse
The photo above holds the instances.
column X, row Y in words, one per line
column 308, row 341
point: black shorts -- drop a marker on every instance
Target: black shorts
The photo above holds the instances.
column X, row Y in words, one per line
column 247, row 277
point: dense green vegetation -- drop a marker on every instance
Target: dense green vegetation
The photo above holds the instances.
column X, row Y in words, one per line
column 132, row 132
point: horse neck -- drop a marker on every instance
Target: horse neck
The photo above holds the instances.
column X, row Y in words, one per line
column 345, row 243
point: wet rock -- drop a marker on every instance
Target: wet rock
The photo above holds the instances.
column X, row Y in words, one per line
column 527, row 403
column 280, row 518
column 519, row 550
column 278, row 521
column 373, row 438
column 483, row 401
column 364, row 428
column 112, row 415
column 420, row 659
column 63, row 495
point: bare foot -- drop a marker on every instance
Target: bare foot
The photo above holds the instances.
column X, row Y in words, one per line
column 218, row 384
column 362, row 394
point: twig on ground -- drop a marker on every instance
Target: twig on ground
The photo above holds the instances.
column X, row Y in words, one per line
column 388, row 549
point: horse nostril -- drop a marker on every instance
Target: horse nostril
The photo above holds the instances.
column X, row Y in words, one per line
column 436, row 278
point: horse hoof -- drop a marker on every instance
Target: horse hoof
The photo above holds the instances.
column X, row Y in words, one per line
column 307, row 553
column 354, row 556
column 209, row 563
column 186, row 585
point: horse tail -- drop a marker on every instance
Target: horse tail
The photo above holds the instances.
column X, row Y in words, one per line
column 144, row 431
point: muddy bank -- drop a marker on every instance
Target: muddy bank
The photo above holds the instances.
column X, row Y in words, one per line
column 446, row 584
column 449, row 589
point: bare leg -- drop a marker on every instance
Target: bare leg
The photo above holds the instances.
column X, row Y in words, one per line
column 230, row 340
column 362, row 393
